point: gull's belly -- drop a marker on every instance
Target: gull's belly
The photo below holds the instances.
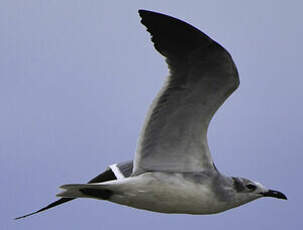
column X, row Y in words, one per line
column 167, row 193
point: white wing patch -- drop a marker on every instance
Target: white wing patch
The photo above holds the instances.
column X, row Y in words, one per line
column 116, row 171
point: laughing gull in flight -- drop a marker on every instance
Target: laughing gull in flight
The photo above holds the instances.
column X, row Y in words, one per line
column 173, row 171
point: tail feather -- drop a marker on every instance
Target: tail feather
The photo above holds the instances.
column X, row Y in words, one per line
column 72, row 191
column 94, row 190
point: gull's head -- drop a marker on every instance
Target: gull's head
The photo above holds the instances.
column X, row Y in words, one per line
column 247, row 190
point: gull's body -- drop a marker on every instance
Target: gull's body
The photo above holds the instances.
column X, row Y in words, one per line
column 173, row 171
column 168, row 193
column 162, row 192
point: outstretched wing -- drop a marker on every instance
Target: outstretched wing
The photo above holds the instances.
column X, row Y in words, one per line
column 202, row 76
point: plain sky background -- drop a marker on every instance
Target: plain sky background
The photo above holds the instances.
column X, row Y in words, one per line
column 77, row 77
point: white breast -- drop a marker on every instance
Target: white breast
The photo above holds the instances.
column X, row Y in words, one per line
column 167, row 193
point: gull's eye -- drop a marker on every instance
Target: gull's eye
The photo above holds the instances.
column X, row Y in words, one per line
column 251, row 187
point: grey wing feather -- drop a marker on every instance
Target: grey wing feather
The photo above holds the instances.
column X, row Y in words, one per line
column 126, row 168
column 202, row 76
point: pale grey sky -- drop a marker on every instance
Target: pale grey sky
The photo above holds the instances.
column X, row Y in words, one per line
column 77, row 78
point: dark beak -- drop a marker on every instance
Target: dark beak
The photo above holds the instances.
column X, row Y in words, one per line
column 275, row 194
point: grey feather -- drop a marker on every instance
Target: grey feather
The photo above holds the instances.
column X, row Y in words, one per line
column 202, row 76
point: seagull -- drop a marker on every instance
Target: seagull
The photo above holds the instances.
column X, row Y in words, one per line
column 173, row 171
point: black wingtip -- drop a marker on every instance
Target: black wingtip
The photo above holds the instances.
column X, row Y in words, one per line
column 172, row 36
column 58, row 202
column 21, row 217
column 143, row 12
